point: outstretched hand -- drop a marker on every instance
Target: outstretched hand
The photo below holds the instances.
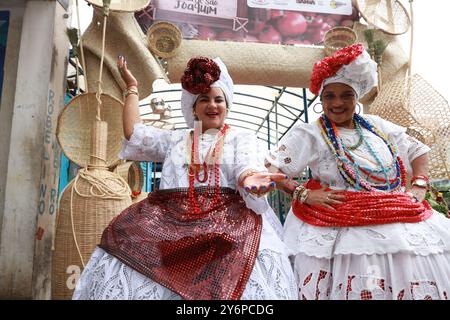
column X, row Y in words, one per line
column 262, row 183
column 126, row 74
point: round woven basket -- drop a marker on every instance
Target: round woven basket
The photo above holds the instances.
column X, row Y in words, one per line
column 164, row 39
column 338, row 38
column 131, row 172
column 75, row 123
column 123, row 5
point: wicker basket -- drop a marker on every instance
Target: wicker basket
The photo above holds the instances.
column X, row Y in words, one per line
column 87, row 205
column 413, row 103
column 123, row 5
column 75, row 123
column 338, row 38
column 131, row 172
column 390, row 16
column 164, row 39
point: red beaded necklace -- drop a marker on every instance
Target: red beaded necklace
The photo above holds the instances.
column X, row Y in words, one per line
column 363, row 208
column 212, row 157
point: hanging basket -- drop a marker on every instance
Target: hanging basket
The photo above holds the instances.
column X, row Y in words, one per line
column 164, row 39
column 131, row 172
column 75, row 123
column 390, row 16
column 338, row 38
column 123, row 5
column 88, row 204
column 413, row 103
column 81, row 220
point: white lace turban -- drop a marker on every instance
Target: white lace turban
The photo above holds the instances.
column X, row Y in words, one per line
column 360, row 73
column 225, row 83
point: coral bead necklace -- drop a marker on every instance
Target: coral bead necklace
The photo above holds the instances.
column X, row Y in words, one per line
column 210, row 167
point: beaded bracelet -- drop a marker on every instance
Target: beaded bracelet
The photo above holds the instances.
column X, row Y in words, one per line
column 298, row 191
column 301, row 193
column 304, row 196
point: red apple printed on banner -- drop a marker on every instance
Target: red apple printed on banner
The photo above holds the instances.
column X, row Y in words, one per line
column 269, row 26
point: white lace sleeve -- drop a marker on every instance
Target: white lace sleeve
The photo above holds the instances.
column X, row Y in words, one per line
column 249, row 154
column 408, row 146
column 295, row 151
column 146, row 144
column 246, row 155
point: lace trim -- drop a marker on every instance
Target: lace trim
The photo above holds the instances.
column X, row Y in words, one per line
column 106, row 278
column 424, row 238
column 317, row 285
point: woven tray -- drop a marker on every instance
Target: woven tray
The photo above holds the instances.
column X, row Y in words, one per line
column 164, row 39
column 338, row 38
column 76, row 121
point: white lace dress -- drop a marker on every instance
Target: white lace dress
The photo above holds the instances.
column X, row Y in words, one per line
column 105, row 277
column 391, row 261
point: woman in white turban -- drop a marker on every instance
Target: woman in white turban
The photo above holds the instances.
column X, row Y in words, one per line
column 356, row 231
column 206, row 234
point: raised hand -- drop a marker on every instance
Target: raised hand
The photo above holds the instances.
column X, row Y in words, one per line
column 126, row 74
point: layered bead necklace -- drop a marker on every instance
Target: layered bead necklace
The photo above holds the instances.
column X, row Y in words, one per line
column 210, row 167
column 351, row 170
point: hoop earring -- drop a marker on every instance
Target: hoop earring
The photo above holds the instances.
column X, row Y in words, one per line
column 359, row 108
column 321, row 106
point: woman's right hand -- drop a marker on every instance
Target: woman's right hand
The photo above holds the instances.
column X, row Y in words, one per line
column 126, row 74
column 324, row 198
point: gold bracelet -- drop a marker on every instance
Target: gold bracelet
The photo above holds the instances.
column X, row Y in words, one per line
column 130, row 91
column 297, row 192
column 304, row 196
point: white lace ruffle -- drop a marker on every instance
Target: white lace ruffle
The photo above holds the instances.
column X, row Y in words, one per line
column 399, row 276
column 106, row 278
column 424, row 238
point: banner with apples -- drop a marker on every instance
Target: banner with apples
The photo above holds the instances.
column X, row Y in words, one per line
column 343, row 7
column 251, row 20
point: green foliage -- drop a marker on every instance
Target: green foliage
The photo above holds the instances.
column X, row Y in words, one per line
column 379, row 47
column 368, row 34
column 106, row 4
column 436, row 201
